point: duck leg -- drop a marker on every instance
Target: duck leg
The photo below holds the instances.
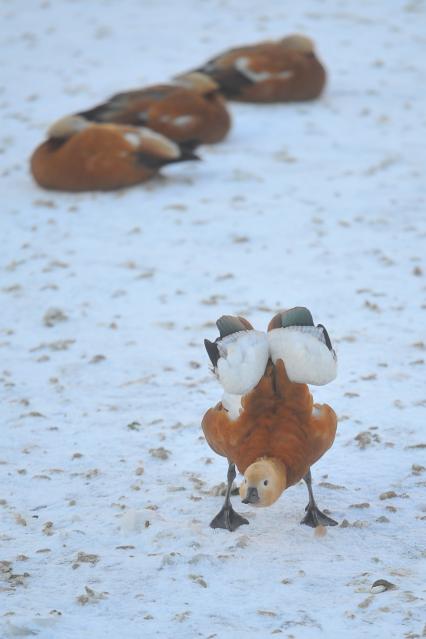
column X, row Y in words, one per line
column 227, row 518
column 314, row 517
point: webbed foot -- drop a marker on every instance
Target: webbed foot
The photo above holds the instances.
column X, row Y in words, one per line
column 315, row 517
column 228, row 519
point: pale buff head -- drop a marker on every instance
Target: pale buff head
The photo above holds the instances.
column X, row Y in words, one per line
column 297, row 42
column 67, row 126
column 264, row 481
column 197, row 82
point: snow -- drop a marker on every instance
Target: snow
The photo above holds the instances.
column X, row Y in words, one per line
column 107, row 485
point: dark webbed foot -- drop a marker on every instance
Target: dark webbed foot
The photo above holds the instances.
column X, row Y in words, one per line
column 315, row 517
column 228, row 519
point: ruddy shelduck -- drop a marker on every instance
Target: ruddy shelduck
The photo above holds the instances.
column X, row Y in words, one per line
column 83, row 156
column 267, row 424
column 285, row 70
column 190, row 109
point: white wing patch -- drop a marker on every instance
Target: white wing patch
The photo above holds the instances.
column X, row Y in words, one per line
column 242, row 361
column 179, row 121
column 132, row 138
column 243, row 66
column 183, row 120
column 305, row 354
column 232, row 403
column 316, row 410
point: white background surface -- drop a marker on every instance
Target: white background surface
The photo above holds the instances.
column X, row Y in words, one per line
column 318, row 204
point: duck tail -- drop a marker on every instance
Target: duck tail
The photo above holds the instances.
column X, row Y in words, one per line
column 187, row 149
column 155, row 162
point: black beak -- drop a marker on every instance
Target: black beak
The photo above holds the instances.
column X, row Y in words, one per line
column 252, row 496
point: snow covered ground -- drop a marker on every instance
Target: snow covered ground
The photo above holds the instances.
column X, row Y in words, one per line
column 106, row 481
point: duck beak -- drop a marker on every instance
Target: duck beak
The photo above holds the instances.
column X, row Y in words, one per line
column 252, row 496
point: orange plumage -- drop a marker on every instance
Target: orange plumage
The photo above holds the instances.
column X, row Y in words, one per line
column 285, row 70
column 279, row 420
column 101, row 157
column 267, row 424
column 196, row 112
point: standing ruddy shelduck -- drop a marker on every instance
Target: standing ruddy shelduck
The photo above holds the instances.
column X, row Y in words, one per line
column 190, row 109
column 266, row 424
column 285, row 70
column 82, row 156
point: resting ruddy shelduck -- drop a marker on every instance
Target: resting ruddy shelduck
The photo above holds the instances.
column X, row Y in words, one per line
column 285, row 70
column 267, row 424
column 190, row 109
column 84, row 156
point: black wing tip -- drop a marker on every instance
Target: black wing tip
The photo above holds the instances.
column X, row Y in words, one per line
column 150, row 161
column 187, row 148
column 189, row 145
column 96, row 114
column 187, row 154
column 326, row 337
column 212, row 351
column 154, row 162
column 229, row 80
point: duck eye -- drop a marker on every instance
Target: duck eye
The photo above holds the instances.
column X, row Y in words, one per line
column 265, row 483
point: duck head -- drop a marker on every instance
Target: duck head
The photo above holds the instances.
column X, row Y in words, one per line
column 298, row 42
column 264, row 481
column 197, row 82
column 67, row 126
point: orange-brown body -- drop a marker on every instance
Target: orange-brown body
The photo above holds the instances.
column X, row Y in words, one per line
column 294, row 75
column 98, row 157
column 179, row 113
column 278, row 422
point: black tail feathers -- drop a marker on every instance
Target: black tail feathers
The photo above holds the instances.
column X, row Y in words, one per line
column 154, row 162
column 187, row 149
